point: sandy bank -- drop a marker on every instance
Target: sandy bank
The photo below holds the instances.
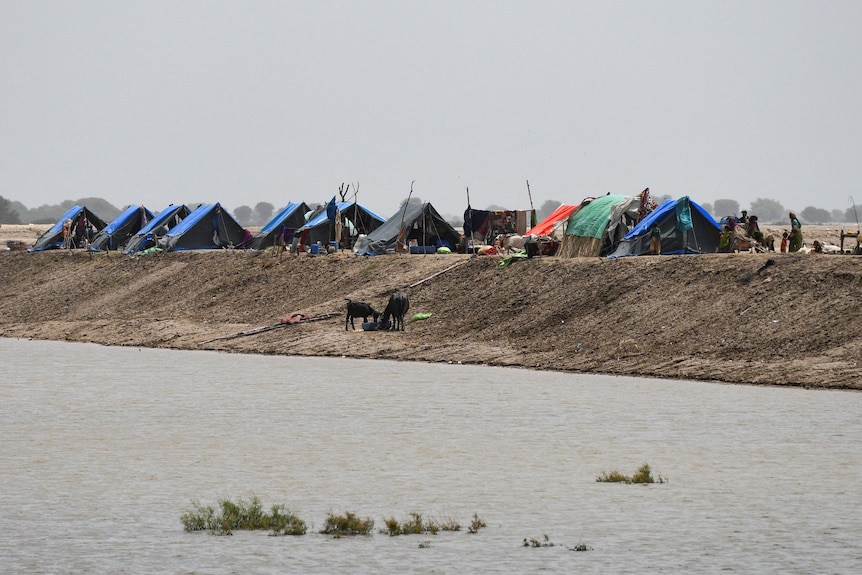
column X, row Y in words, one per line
column 712, row 317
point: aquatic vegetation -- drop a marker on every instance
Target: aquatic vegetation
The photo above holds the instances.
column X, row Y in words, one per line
column 424, row 544
column 285, row 522
column 476, row 524
column 533, row 542
column 347, row 524
column 416, row 525
column 581, row 547
column 642, row 475
column 241, row 515
column 613, row 477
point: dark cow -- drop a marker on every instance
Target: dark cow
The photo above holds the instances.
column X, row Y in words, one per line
column 397, row 307
column 359, row 309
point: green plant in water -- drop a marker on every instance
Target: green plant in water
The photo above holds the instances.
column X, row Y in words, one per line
column 347, row 524
column 246, row 515
column 581, row 547
column 476, row 524
column 416, row 525
column 449, row 524
column 533, row 542
column 199, row 518
column 642, row 475
column 613, row 477
column 284, row 522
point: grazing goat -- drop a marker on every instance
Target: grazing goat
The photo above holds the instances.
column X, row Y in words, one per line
column 511, row 242
column 397, row 307
column 359, row 309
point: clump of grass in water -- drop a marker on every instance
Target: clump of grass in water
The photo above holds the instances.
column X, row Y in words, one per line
column 533, row 542
column 581, row 547
column 416, row 525
column 613, row 477
column 642, row 475
column 244, row 515
column 347, row 524
column 285, row 522
column 476, row 524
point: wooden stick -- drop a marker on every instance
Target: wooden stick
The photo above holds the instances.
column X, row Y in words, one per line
column 438, row 273
column 263, row 328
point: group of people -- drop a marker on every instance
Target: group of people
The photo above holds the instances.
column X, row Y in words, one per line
column 744, row 233
column 77, row 236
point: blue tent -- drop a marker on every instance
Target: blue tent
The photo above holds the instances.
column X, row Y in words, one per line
column 117, row 233
column 355, row 219
column 81, row 222
column 208, row 227
column 286, row 222
column 157, row 227
column 686, row 228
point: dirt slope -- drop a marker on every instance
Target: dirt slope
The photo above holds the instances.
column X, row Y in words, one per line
column 711, row 317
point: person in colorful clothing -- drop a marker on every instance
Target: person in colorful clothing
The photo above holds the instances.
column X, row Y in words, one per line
column 795, row 234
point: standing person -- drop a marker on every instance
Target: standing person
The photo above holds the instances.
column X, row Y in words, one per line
column 655, row 241
column 795, row 233
column 67, row 234
column 784, row 240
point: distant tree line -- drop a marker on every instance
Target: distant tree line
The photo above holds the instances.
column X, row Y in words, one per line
column 768, row 211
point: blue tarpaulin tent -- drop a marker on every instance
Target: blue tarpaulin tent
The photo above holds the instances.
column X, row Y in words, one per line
column 80, row 221
column 686, row 228
column 208, row 227
column 355, row 219
column 157, row 227
column 116, row 234
column 286, row 221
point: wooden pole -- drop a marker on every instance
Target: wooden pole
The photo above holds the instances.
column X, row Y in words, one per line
column 422, row 281
column 402, row 233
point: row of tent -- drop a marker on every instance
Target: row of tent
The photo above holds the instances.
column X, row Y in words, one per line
column 137, row 229
column 611, row 225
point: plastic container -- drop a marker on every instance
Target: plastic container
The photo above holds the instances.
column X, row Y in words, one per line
column 314, row 249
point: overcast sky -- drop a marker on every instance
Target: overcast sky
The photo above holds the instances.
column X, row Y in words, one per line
column 160, row 102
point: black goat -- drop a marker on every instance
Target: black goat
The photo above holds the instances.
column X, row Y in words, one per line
column 396, row 309
column 359, row 309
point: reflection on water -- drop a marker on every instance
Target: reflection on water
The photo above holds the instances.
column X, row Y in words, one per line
column 103, row 448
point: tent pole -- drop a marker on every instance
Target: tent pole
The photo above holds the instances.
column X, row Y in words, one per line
column 401, row 230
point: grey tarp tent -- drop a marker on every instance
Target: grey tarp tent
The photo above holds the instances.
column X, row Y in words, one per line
column 417, row 222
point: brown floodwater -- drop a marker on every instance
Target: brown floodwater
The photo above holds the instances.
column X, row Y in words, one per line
column 104, row 448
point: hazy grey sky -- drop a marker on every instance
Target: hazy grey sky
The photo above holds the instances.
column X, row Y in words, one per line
column 246, row 101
